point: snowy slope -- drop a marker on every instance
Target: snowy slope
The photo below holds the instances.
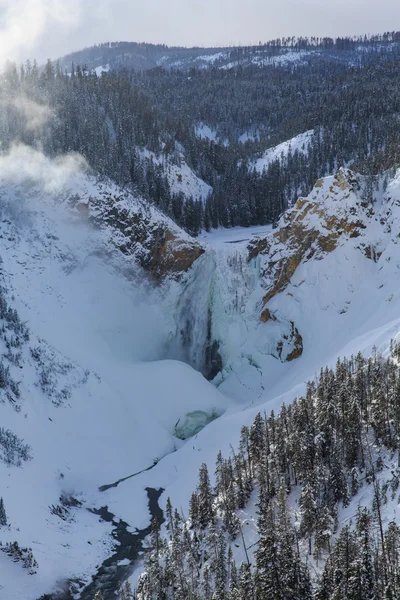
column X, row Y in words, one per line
column 340, row 300
column 289, row 57
column 99, row 401
column 180, row 176
column 299, row 143
column 102, row 69
column 330, row 268
column 90, row 409
column 204, row 132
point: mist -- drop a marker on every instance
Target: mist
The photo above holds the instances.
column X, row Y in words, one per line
column 35, row 188
column 36, row 115
column 112, row 314
column 25, row 165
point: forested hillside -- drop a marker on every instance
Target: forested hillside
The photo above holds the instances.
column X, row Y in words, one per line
column 295, row 472
column 143, row 56
column 146, row 128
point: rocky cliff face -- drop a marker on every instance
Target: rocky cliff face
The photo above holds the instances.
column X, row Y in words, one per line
column 313, row 227
column 138, row 230
column 339, row 210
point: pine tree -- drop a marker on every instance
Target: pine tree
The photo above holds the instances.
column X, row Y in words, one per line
column 340, row 574
column 3, row 375
column 205, row 498
column 308, row 510
column 323, row 532
column 392, row 545
column 294, row 577
column 221, row 571
column 365, row 571
column 194, row 510
column 246, row 584
column 267, row 575
column 125, row 591
column 3, row 516
column 206, row 587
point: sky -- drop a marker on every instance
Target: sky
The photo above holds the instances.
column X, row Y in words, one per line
column 51, row 28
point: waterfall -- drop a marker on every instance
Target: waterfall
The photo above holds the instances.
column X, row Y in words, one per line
column 193, row 315
column 212, row 314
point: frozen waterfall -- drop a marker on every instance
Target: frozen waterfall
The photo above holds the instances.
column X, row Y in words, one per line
column 214, row 309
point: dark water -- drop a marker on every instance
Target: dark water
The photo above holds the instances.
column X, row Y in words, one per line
column 130, row 546
column 104, row 488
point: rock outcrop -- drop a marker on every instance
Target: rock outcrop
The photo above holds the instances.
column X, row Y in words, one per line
column 335, row 211
column 153, row 241
column 312, row 228
column 282, row 338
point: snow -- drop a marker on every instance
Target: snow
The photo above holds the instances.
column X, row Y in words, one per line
column 211, row 58
column 202, row 61
column 98, row 70
column 248, row 136
column 180, row 176
column 102, row 69
column 299, row 143
column 123, row 562
column 230, row 65
column 205, row 132
column 105, row 333
column 289, row 57
column 233, row 235
column 70, row 288
column 182, row 179
column 285, row 58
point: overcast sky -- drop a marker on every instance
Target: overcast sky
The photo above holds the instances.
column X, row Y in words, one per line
column 51, row 28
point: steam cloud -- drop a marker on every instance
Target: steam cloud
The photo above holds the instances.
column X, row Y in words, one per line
column 23, row 23
column 35, row 115
column 26, row 165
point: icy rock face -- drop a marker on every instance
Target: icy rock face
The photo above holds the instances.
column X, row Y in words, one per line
column 156, row 244
column 233, row 301
column 284, row 340
column 312, row 228
column 337, row 210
